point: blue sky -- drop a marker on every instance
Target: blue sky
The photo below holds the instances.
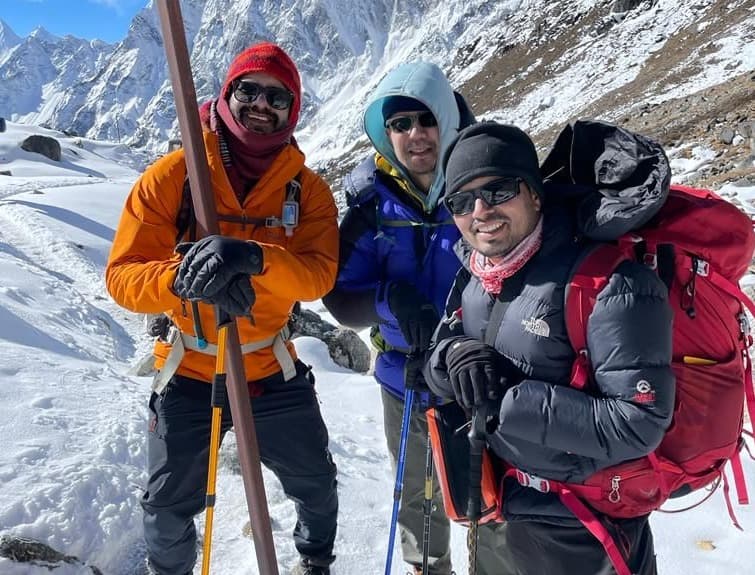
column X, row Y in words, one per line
column 107, row 20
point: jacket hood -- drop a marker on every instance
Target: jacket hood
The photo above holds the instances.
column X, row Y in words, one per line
column 426, row 83
column 623, row 178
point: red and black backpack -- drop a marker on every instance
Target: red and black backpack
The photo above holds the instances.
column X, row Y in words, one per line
column 701, row 246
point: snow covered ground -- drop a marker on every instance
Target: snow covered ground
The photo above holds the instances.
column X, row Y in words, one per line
column 73, row 419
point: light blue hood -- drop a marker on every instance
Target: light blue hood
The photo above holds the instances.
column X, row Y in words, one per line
column 425, row 82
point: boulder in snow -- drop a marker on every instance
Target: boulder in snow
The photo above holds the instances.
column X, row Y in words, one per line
column 345, row 347
column 33, row 552
column 45, row 145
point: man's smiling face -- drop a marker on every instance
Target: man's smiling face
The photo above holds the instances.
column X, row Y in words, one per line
column 496, row 230
column 417, row 147
column 258, row 115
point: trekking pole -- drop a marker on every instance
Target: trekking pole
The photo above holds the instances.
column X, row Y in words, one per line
column 427, row 504
column 179, row 67
column 474, row 504
column 218, row 401
column 408, row 400
column 198, row 331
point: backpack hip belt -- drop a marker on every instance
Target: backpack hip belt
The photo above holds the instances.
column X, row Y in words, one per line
column 578, row 508
column 180, row 342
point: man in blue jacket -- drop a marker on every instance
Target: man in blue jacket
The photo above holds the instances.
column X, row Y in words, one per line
column 397, row 266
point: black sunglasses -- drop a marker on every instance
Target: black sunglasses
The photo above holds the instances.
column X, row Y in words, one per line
column 493, row 193
column 401, row 124
column 278, row 98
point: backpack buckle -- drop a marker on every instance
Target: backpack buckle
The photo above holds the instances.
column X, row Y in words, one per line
column 272, row 222
column 453, row 319
column 700, row 267
column 744, row 325
column 529, row 480
column 290, row 216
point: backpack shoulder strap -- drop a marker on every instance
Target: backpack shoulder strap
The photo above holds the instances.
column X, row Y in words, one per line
column 588, row 279
column 293, row 189
column 511, row 289
column 186, row 218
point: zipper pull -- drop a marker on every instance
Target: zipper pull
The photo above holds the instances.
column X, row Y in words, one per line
column 614, row 496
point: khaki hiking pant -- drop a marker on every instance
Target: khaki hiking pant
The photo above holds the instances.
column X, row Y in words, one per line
column 410, row 517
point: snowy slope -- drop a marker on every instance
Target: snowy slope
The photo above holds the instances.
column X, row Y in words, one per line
column 72, row 467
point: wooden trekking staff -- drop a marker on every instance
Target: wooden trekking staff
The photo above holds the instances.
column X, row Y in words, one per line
column 179, row 67
column 474, row 503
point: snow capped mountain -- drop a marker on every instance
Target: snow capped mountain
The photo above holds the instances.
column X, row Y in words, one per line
column 73, row 470
column 44, row 75
column 8, row 38
column 512, row 58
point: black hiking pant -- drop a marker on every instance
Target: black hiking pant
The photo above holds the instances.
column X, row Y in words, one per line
column 293, row 443
column 535, row 548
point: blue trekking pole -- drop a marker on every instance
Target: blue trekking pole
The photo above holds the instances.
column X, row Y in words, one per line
column 408, row 400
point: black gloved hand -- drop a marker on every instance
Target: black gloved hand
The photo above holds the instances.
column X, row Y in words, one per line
column 477, row 372
column 416, row 316
column 236, row 298
column 211, row 263
column 413, row 378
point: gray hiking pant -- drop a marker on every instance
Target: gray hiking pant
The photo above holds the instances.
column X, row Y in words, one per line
column 293, row 443
column 490, row 542
column 410, row 515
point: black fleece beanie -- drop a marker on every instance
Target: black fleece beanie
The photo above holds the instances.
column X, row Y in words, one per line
column 393, row 104
column 491, row 149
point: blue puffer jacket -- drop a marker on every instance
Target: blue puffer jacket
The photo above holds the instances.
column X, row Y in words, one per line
column 391, row 232
column 384, row 239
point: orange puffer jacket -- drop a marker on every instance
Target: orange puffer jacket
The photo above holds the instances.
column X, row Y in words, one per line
column 142, row 263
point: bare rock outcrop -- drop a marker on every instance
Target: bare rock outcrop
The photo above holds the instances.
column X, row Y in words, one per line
column 45, row 145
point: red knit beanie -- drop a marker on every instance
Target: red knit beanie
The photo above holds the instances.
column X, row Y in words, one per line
column 271, row 59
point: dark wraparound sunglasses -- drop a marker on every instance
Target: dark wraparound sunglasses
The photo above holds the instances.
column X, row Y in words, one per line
column 401, row 124
column 248, row 92
column 493, row 193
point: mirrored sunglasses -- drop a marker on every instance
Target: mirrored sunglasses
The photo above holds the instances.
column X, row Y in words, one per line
column 248, row 92
column 401, row 124
column 493, row 193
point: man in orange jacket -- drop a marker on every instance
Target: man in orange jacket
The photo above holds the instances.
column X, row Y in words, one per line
column 278, row 243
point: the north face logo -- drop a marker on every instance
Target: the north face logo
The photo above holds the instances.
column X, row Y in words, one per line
column 536, row 326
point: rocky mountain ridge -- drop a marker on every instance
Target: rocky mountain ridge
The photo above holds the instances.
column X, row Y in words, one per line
column 681, row 72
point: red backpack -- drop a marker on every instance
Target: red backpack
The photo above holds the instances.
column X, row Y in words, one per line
column 700, row 245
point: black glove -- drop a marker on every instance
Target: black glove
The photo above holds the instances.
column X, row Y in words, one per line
column 413, row 378
column 416, row 316
column 236, row 298
column 211, row 263
column 477, row 372
column 158, row 325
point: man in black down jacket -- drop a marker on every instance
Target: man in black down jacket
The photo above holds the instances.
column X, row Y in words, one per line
column 519, row 247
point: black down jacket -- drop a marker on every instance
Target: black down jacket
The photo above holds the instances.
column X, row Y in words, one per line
column 545, row 427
